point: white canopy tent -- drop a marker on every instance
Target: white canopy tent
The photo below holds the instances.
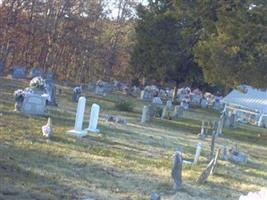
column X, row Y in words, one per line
column 251, row 100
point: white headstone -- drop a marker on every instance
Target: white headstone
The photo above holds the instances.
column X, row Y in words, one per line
column 198, row 151
column 157, row 100
column 169, row 104
column 145, row 114
column 77, row 131
column 184, row 104
column 142, row 94
column 94, row 118
column 204, row 103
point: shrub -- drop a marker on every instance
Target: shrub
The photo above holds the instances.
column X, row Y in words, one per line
column 123, row 105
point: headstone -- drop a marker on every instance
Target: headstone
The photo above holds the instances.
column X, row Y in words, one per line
column 169, row 104
column 157, row 100
column 217, row 105
column 92, row 86
column 177, row 170
column 209, row 169
column 18, row 72
column 2, row 68
column 94, row 118
column 233, row 121
column 50, row 76
column 238, row 157
column 225, row 153
column 34, row 104
column 108, row 88
column 51, row 91
column 215, row 161
column 184, row 104
column 142, row 94
column 230, row 120
column 77, row 131
column 154, row 196
column 204, row 131
column 47, row 129
column 77, row 91
column 178, row 112
column 259, row 195
column 116, row 119
column 147, row 95
column 198, row 151
column 36, row 72
column 99, row 90
column 145, row 115
column 212, row 146
column 196, row 99
column 220, row 127
column 204, row 103
column 165, row 113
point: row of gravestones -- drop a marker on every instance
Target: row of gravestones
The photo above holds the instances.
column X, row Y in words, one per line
column 164, row 112
column 21, row 72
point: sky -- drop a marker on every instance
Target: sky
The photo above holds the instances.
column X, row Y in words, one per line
column 114, row 10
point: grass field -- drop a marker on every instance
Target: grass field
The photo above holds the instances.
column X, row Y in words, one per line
column 123, row 161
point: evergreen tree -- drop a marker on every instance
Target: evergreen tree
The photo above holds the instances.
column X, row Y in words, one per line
column 234, row 50
column 164, row 42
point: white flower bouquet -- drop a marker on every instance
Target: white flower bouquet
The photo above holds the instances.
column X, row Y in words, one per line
column 19, row 95
column 38, row 83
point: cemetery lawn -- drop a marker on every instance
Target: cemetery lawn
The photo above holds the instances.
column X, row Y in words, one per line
column 123, row 161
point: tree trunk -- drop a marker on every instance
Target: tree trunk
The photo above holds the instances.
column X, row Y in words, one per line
column 174, row 96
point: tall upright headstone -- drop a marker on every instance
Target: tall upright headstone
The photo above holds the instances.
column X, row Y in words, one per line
column 94, row 118
column 178, row 112
column 2, row 68
column 164, row 113
column 198, row 151
column 77, row 131
column 177, row 170
column 145, row 115
column 51, row 91
column 169, row 104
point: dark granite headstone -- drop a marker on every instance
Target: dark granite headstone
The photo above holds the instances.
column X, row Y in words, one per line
column 2, row 69
column 18, row 72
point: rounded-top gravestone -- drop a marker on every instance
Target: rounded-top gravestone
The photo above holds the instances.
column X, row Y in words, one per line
column 36, row 72
column 18, row 72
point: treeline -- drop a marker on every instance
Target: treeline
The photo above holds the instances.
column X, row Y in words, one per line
column 193, row 42
column 77, row 39
column 225, row 42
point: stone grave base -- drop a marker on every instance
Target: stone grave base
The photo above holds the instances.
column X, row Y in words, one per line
column 77, row 133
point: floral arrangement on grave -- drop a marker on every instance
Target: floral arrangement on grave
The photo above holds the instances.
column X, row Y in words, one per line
column 38, row 83
column 77, row 90
column 19, row 97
